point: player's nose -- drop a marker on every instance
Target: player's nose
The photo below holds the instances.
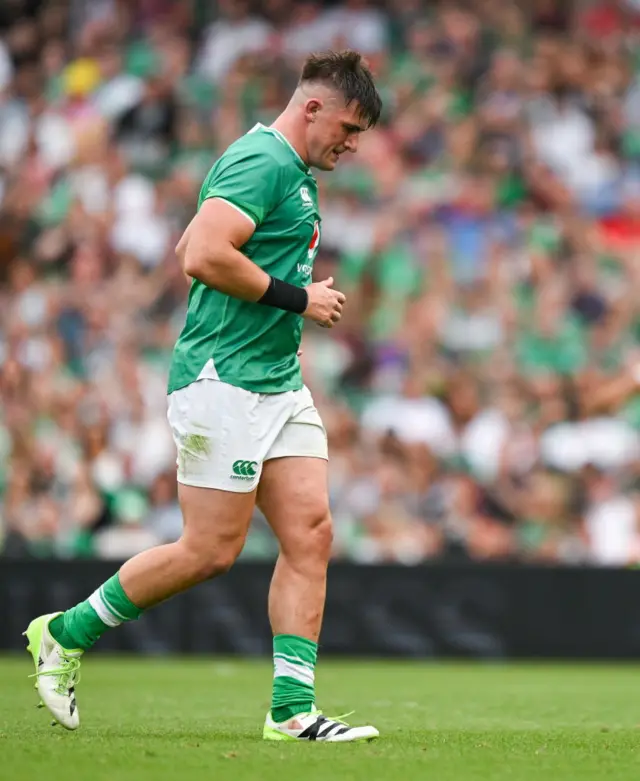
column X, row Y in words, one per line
column 351, row 144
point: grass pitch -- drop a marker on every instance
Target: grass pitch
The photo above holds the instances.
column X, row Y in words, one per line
column 197, row 720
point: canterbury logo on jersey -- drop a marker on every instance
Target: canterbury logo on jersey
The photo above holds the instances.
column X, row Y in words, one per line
column 306, row 196
column 244, row 470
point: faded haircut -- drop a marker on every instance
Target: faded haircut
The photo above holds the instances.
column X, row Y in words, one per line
column 346, row 73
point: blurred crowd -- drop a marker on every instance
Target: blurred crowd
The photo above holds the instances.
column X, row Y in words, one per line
column 482, row 394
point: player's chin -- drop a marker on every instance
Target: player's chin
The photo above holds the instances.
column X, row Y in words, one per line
column 329, row 162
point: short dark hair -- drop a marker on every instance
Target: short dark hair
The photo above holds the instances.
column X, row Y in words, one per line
column 348, row 74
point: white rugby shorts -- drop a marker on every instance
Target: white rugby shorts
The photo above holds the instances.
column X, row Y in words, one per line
column 224, row 434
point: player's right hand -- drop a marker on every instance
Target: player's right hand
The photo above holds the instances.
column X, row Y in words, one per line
column 325, row 303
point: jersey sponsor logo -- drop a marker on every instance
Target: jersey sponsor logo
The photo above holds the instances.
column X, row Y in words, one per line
column 315, row 240
column 307, row 200
column 244, row 470
column 304, row 268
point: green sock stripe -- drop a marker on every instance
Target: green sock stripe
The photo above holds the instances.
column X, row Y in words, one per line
column 119, row 603
column 298, row 672
column 82, row 625
column 297, row 647
column 102, row 610
column 294, row 660
column 108, row 606
column 287, row 685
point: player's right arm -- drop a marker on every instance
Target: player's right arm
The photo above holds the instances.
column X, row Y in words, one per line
column 237, row 200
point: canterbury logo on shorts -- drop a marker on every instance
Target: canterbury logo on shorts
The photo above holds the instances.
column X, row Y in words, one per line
column 244, row 470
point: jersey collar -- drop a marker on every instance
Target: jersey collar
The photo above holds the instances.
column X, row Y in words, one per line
column 283, row 140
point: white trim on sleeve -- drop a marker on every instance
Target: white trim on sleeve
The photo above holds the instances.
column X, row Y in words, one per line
column 237, row 208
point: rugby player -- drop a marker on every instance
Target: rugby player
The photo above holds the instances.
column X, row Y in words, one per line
column 245, row 426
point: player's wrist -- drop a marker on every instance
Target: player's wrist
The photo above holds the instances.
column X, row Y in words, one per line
column 282, row 295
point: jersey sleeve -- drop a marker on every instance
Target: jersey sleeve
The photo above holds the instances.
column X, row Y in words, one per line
column 251, row 182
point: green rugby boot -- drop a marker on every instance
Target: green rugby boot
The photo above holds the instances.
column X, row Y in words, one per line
column 57, row 672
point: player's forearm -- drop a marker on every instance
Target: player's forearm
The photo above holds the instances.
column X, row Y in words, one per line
column 226, row 269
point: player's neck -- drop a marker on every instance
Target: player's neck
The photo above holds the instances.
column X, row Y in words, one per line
column 290, row 128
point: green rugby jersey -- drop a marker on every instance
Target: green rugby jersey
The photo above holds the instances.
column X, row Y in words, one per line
column 240, row 342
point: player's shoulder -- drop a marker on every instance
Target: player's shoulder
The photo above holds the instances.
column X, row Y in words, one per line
column 257, row 144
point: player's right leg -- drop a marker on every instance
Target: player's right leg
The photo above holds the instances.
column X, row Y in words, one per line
column 216, row 520
column 215, row 527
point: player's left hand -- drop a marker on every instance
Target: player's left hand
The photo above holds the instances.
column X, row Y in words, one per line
column 325, row 304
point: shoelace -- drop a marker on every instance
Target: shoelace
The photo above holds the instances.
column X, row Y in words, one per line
column 337, row 719
column 68, row 674
column 341, row 719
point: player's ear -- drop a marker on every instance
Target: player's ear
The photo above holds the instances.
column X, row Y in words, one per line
column 311, row 109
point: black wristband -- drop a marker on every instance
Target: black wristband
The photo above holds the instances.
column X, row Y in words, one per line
column 282, row 295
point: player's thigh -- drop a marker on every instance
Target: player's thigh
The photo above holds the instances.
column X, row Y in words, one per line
column 215, row 522
column 293, row 492
column 294, row 498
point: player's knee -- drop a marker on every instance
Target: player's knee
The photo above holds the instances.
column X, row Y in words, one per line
column 324, row 535
column 313, row 540
column 208, row 562
column 216, row 564
column 226, row 557
column 220, row 562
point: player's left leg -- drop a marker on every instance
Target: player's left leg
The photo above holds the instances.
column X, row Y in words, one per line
column 293, row 495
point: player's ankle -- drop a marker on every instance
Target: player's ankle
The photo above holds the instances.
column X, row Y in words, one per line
column 286, row 712
column 60, row 634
